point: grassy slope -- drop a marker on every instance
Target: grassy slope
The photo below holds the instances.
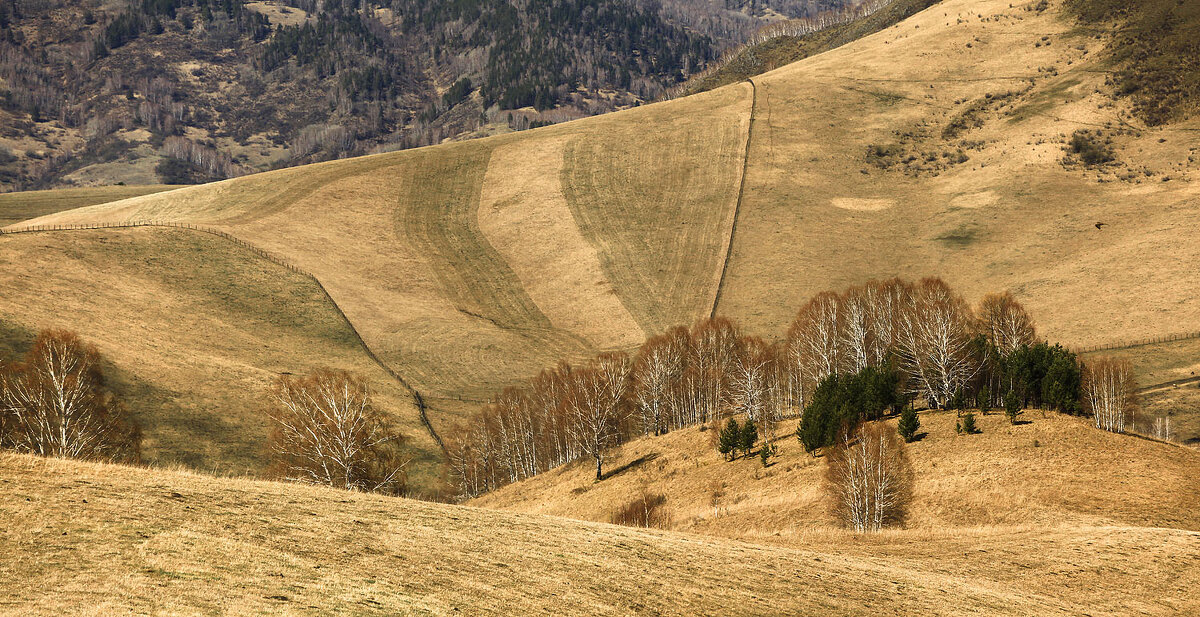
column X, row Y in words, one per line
column 458, row 296
column 1053, row 471
column 21, row 206
column 817, row 215
column 85, row 538
column 397, row 238
column 195, row 328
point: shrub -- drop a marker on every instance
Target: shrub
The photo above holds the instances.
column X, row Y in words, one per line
column 909, row 424
column 1091, row 148
column 645, row 510
column 729, row 439
column 1012, row 406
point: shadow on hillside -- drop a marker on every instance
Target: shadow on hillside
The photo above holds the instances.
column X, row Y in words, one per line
column 630, row 465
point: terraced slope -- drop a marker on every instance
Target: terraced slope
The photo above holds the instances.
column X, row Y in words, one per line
column 194, row 328
column 470, row 265
column 85, row 538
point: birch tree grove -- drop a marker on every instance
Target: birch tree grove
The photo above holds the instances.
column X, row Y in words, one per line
column 1109, row 392
column 54, row 404
column 891, row 334
column 1005, row 322
column 596, row 408
column 328, row 432
column 869, row 478
column 934, row 341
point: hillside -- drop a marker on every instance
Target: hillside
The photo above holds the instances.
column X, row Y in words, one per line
column 927, row 148
column 756, row 58
column 94, row 92
column 1054, row 471
column 194, row 329
column 100, row 538
column 17, row 207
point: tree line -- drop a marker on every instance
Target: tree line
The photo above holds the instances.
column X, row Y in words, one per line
column 55, row 402
column 847, row 357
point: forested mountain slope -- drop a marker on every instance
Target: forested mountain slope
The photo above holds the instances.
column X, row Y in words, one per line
column 186, row 91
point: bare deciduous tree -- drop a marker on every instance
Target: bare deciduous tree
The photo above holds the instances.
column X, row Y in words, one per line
column 869, row 478
column 816, row 334
column 715, row 346
column 749, row 381
column 656, row 371
column 1109, row 392
column 934, row 340
column 55, row 404
column 327, row 432
column 596, row 406
column 1005, row 322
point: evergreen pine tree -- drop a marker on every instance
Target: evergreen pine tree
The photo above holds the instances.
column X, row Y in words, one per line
column 749, row 436
column 1012, row 406
column 729, row 439
column 968, row 423
column 909, row 424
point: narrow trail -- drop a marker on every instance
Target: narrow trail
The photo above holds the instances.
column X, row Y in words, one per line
column 418, row 399
column 737, row 206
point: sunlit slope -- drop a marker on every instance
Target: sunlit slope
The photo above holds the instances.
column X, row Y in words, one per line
column 195, row 328
column 83, row 538
column 818, row 214
column 934, row 147
column 1052, row 471
column 24, row 205
column 470, row 265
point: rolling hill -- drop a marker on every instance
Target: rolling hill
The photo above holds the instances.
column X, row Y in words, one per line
column 194, row 329
column 1050, row 471
column 943, row 145
column 96, row 538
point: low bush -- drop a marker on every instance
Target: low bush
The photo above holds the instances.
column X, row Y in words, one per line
column 645, row 510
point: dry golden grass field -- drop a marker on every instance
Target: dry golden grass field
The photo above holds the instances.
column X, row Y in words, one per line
column 934, row 147
column 85, row 538
column 17, row 207
column 194, row 328
column 470, row 266
column 1052, row 471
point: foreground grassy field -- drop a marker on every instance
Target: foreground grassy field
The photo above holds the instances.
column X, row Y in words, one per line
column 98, row 539
column 194, row 328
column 17, row 207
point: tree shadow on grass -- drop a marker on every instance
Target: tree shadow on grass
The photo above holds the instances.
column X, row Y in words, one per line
column 646, row 458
